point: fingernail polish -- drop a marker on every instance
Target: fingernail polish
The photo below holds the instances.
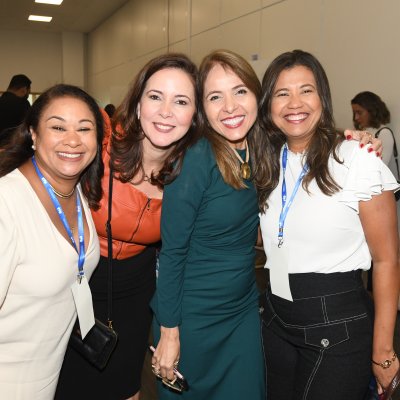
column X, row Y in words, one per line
column 361, row 145
column 349, row 137
column 370, row 150
column 377, row 154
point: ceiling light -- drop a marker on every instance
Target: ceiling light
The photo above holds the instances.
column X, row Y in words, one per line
column 55, row 2
column 40, row 18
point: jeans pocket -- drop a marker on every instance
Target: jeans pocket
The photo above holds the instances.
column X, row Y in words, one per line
column 326, row 336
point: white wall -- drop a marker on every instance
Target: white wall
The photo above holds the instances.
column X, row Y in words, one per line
column 35, row 54
column 46, row 58
column 357, row 41
column 73, row 58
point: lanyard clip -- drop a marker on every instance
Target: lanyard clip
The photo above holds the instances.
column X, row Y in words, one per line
column 280, row 242
column 79, row 278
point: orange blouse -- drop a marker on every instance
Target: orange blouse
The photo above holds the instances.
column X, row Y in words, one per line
column 135, row 219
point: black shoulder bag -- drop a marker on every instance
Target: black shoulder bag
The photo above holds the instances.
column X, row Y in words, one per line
column 395, row 154
column 101, row 340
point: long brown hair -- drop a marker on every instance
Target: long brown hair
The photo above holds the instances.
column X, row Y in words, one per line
column 127, row 149
column 226, row 159
column 323, row 143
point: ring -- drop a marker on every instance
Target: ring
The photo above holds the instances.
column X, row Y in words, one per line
column 176, row 363
column 156, row 371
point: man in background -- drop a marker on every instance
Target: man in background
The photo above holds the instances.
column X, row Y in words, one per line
column 14, row 102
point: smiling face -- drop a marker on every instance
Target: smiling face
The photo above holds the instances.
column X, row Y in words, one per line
column 65, row 139
column 296, row 106
column 230, row 107
column 166, row 107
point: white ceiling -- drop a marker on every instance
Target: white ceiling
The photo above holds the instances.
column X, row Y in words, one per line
column 71, row 16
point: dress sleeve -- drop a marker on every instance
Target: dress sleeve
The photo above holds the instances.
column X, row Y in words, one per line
column 367, row 176
column 181, row 201
column 8, row 249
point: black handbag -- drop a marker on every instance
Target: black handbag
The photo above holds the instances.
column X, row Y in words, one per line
column 97, row 346
column 395, row 154
column 100, row 342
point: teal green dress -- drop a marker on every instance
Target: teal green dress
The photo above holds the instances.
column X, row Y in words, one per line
column 206, row 282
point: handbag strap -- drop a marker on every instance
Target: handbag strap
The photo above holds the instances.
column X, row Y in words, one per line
column 395, row 153
column 110, row 255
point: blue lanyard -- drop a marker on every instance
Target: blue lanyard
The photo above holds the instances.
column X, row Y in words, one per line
column 60, row 212
column 285, row 207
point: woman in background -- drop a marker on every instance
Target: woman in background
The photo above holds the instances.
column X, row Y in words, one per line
column 52, row 167
column 110, row 110
column 371, row 114
column 151, row 130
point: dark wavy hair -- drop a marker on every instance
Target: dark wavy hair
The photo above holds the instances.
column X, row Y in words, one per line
column 126, row 148
column 377, row 110
column 16, row 147
column 226, row 159
column 325, row 139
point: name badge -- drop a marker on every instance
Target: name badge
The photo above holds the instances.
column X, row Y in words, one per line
column 83, row 304
column 278, row 265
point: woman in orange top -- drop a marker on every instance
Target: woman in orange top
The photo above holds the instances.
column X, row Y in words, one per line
column 150, row 132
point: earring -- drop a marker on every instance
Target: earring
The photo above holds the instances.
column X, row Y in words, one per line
column 33, row 147
column 138, row 113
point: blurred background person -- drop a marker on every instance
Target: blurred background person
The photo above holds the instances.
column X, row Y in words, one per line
column 50, row 175
column 110, row 110
column 14, row 103
column 370, row 113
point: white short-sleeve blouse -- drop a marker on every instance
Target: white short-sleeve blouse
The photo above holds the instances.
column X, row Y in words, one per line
column 324, row 233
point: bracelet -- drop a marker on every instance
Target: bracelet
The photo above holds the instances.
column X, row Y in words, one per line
column 387, row 363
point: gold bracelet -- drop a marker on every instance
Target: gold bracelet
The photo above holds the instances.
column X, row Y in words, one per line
column 387, row 363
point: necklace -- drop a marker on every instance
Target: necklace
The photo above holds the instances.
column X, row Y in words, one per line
column 244, row 165
column 63, row 195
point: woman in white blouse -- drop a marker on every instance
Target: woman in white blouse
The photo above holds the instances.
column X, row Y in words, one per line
column 330, row 206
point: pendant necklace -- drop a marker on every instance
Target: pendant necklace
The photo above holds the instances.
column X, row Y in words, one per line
column 244, row 164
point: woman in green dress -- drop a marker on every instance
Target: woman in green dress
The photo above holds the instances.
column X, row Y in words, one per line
column 206, row 302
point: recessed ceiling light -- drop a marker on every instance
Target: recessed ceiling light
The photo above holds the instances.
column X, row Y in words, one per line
column 40, row 18
column 55, row 2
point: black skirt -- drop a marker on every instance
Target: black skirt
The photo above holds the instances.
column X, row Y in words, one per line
column 133, row 288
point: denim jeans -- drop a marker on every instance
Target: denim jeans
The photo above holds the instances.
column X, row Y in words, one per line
column 319, row 346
